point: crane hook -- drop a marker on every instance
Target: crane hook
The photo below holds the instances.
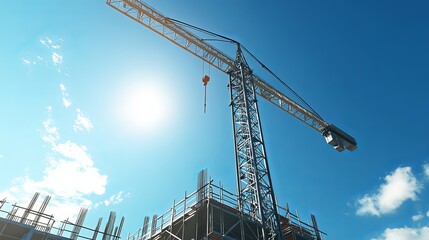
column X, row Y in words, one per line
column 206, row 80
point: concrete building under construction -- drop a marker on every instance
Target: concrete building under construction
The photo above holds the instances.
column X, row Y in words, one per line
column 26, row 223
column 210, row 212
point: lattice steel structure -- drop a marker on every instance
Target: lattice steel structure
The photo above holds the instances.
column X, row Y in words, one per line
column 253, row 176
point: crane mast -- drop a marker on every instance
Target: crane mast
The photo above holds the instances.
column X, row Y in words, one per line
column 255, row 191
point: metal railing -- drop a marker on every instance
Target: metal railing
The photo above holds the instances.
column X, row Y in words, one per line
column 186, row 207
column 45, row 224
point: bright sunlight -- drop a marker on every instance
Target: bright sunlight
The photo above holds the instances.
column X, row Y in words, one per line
column 142, row 106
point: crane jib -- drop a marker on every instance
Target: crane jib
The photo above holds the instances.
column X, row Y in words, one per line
column 164, row 26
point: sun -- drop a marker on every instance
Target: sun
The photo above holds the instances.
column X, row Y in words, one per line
column 142, row 106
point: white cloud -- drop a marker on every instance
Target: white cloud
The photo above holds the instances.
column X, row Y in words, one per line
column 69, row 177
column 417, row 217
column 82, row 122
column 62, row 87
column 47, row 42
column 70, row 161
column 427, row 214
column 54, row 47
column 116, row 199
column 405, row 233
column 50, row 133
column 43, row 42
column 60, row 207
column 399, row 186
column 75, row 152
column 426, row 169
column 1, row 156
column 368, row 206
column 57, row 59
column 28, row 62
column 66, row 101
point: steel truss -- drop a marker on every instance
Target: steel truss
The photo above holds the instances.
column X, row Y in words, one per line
column 256, row 196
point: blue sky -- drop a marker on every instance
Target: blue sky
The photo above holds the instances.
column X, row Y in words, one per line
column 76, row 75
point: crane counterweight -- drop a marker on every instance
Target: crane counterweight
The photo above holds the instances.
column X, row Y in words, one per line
column 339, row 139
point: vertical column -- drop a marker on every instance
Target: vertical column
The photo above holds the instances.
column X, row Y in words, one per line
column 109, row 226
column 30, row 207
column 316, row 229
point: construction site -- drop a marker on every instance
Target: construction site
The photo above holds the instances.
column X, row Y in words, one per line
column 251, row 212
column 32, row 223
column 210, row 212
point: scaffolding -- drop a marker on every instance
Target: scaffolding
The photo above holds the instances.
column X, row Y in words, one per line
column 211, row 212
column 28, row 224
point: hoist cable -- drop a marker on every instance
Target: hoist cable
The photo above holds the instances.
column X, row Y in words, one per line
column 250, row 53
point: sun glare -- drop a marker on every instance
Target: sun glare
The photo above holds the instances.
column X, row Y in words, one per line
column 142, row 107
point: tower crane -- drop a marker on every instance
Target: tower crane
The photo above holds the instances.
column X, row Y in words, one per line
column 255, row 192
